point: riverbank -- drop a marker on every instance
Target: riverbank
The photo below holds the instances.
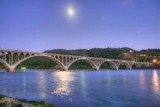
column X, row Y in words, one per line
column 15, row 102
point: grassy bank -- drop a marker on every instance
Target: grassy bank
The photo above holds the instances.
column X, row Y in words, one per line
column 15, row 102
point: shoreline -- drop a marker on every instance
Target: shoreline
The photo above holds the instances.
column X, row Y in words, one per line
column 6, row 101
column 83, row 69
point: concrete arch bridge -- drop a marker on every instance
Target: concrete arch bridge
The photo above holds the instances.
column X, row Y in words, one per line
column 10, row 59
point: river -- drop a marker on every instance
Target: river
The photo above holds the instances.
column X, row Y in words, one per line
column 85, row 88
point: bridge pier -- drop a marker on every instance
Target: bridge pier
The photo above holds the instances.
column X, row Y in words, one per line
column 117, row 68
column 10, row 69
column 64, row 69
column 96, row 68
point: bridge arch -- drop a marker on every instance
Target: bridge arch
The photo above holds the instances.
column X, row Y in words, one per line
column 85, row 59
column 110, row 62
column 61, row 65
column 136, row 65
column 144, row 65
column 6, row 65
column 125, row 63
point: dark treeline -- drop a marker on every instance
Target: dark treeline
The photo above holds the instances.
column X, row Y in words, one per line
column 145, row 55
column 113, row 53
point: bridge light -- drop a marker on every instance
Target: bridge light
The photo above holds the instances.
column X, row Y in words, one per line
column 23, row 68
column 154, row 60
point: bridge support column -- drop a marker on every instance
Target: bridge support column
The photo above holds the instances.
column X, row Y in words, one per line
column 117, row 68
column 64, row 69
column 114, row 68
column 11, row 69
column 96, row 68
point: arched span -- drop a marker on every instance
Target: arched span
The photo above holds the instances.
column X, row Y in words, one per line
column 6, row 65
column 136, row 64
column 85, row 59
column 110, row 62
column 144, row 65
column 126, row 64
column 55, row 60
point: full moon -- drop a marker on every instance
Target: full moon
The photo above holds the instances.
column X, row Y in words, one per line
column 70, row 11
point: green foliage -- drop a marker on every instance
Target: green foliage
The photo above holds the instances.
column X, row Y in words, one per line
column 39, row 103
column 15, row 102
column 106, row 65
column 38, row 63
column 122, row 66
column 81, row 52
column 94, row 52
column 1, row 66
column 80, row 64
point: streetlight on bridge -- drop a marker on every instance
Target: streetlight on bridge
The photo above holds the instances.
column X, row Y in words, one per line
column 154, row 60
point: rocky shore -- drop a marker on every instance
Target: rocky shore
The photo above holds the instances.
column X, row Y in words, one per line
column 15, row 102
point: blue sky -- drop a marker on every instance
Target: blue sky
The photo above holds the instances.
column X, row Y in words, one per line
column 38, row 25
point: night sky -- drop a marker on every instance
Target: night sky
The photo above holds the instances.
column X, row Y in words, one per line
column 38, row 25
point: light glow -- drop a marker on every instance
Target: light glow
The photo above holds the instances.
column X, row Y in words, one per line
column 70, row 11
column 63, row 83
column 155, row 82
column 154, row 60
column 23, row 68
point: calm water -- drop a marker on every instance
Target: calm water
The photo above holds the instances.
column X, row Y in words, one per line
column 119, row 88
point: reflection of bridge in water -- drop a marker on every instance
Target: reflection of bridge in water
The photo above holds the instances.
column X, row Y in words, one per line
column 12, row 58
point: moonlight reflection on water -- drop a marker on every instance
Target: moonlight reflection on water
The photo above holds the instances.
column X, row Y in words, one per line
column 111, row 88
column 155, row 82
column 63, row 83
